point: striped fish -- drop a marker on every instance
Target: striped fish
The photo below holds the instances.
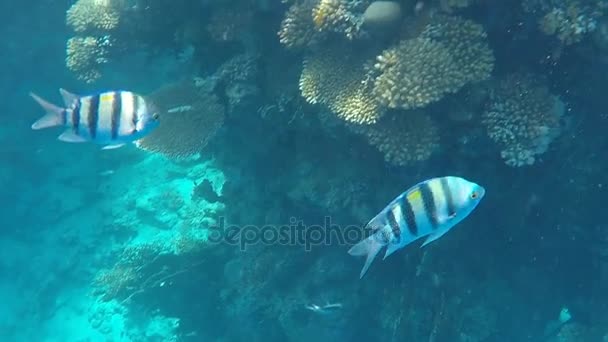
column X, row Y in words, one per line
column 110, row 118
column 428, row 209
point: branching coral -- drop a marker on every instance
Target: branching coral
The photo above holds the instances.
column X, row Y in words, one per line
column 567, row 20
column 415, row 73
column 297, row 28
column 94, row 15
column 404, row 138
column 189, row 118
column 339, row 16
column 116, row 282
column 522, row 118
column 467, row 43
column 334, row 77
column 85, row 56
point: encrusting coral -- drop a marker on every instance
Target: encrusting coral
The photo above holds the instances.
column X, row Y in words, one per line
column 523, row 118
column 404, row 138
column 190, row 116
column 334, row 77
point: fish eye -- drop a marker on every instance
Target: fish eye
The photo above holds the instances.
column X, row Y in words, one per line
column 474, row 195
column 155, row 116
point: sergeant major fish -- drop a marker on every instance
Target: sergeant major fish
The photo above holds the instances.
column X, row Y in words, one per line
column 428, row 209
column 111, row 118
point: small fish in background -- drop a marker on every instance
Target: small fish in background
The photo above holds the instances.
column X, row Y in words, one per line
column 111, row 118
column 324, row 309
column 428, row 209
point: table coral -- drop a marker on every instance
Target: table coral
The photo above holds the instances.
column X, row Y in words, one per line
column 190, row 117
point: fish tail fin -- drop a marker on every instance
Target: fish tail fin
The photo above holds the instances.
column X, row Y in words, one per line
column 368, row 247
column 55, row 115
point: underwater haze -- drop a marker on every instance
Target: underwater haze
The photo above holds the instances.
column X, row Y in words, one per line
column 213, row 170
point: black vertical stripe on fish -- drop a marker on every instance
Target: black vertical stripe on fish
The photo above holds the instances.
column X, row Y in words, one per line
column 390, row 216
column 135, row 110
column 447, row 192
column 75, row 117
column 116, row 110
column 408, row 216
column 429, row 204
column 93, row 115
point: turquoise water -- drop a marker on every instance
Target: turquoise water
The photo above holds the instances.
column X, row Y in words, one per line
column 285, row 127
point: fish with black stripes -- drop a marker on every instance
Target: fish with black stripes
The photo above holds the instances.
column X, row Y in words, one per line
column 428, row 209
column 112, row 118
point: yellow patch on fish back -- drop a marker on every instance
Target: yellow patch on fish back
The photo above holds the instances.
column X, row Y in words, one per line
column 107, row 97
column 414, row 195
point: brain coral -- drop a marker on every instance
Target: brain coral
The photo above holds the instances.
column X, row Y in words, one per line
column 467, row 43
column 93, row 15
column 523, row 117
column 335, row 77
column 415, row 73
column 404, row 138
column 189, row 117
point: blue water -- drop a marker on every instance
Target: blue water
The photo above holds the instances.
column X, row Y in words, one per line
column 233, row 222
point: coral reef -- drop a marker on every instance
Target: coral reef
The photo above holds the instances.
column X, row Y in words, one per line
column 86, row 55
column 334, row 77
column 404, row 138
column 339, row 16
column 523, row 117
column 415, row 73
column 467, row 44
column 94, row 15
column 190, row 117
column 568, row 20
column 297, row 28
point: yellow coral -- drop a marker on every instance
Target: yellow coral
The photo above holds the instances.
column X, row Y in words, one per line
column 404, row 138
column 99, row 15
column 334, row 77
column 523, row 118
column 189, row 118
column 414, row 73
column 467, row 44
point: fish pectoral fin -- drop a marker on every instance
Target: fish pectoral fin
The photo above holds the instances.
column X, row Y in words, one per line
column 112, row 147
column 434, row 236
column 71, row 137
column 68, row 98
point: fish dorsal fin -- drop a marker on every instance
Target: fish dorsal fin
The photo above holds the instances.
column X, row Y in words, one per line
column 434, row 236
column 68, row 98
